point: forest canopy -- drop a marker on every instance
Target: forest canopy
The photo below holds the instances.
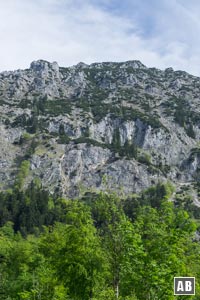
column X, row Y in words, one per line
column 100, row 247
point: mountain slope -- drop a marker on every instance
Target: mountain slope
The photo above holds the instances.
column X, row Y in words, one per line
column 121, row 126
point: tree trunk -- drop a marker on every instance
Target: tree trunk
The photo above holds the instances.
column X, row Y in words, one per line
column 117, row 290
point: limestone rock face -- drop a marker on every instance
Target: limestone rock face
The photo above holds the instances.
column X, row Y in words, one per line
column 117, row 126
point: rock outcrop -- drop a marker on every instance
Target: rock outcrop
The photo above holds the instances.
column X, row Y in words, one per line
column 118, row 126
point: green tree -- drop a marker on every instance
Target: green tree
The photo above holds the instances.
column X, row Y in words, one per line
column 170, row 250
column 119, row 241
column 75, row 252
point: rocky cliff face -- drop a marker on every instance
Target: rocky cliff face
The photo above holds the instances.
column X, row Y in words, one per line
column 119, row 126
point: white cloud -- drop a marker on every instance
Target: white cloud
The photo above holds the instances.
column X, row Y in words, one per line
column 69, row 31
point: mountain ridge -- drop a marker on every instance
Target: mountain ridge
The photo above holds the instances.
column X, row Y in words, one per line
column 119, row 126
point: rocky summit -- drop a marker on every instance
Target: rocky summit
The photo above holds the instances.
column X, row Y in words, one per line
column 117, row 126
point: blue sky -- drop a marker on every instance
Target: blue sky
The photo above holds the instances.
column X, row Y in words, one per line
column 159, row 33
